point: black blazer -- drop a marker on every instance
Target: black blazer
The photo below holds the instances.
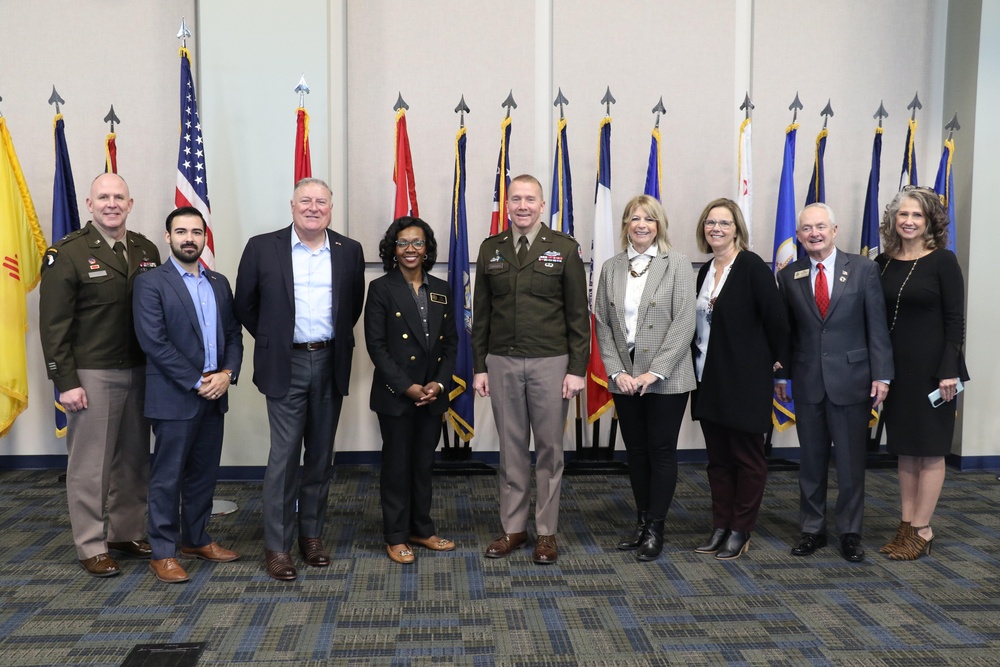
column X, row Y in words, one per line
column 265, row 305
column 749, row 333
column 395, row 339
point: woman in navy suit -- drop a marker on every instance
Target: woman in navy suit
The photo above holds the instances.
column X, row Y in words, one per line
column 411, row 337
column 740, row 335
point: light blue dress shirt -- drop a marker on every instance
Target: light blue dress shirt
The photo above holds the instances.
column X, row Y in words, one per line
column 203, row 298
column 313, row 288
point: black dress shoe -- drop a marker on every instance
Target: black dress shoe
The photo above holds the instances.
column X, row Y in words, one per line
column 137, row 548
column 808, row 543
column 850, row 546
column 715, row 542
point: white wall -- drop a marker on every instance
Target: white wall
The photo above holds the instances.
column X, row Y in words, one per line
column 356, row 56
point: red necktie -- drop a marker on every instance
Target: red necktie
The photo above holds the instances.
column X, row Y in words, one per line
column 822, row 293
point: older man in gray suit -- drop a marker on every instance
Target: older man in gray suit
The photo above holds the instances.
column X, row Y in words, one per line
column 841, row 365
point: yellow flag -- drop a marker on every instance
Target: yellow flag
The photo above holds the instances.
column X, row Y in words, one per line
column 22, row 246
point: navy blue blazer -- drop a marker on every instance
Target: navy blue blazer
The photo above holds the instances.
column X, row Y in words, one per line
column 265, row 305
column 169, row 332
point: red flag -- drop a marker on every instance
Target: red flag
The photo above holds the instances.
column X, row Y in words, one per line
column 402, row 172
column 499, row 222
column 110, row 154
column 303, row 161
column 599, row 399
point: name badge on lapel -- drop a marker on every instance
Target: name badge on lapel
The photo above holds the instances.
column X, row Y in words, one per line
column 438, row 298
column 804, row 273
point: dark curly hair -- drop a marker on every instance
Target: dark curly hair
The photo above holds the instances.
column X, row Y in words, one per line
column 936, row 231
column 387, row 246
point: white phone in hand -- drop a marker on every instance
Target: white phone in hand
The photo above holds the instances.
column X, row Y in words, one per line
column 935, row 396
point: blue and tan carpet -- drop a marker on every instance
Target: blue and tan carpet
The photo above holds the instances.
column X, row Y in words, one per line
column 596, row 606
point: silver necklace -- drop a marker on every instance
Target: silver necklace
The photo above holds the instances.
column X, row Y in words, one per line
column 900, row 293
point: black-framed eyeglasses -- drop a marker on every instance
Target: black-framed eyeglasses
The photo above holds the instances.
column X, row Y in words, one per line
column 418, row 244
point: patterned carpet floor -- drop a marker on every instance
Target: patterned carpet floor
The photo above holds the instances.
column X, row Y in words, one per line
column 596, row 606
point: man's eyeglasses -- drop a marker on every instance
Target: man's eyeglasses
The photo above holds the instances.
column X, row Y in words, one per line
column 418, row 244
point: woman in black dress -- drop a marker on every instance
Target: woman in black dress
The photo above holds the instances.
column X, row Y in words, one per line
column 412, row 339
column 741, row 333
column 925, row 296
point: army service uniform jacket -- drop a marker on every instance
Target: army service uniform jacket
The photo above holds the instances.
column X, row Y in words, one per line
column 85, row 307
column 538, row 309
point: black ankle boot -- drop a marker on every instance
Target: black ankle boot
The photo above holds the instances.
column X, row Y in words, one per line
column 736, row 545
column 635, row 539
column 714, row 543
column 652, row 542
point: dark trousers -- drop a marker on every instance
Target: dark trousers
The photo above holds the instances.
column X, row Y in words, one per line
column 408, row 444
column 650, row 425
column 737, row 474
column 304, row 418
column 842, row 430
column 183, row 472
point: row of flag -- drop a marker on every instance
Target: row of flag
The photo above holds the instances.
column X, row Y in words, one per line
column 785, row 244
column 192, row 190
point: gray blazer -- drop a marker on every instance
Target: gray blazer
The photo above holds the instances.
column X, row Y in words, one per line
column 840, row 356
column 664, row 328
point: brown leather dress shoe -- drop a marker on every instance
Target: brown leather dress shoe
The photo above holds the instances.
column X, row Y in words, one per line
column 280, row 566
column 505, row 544
column 434, row 543
column 101, row 565
column 168, row 570
column 313, row 551
column 400, row 553
column 211, row 552
column 137, row 548
column 545, row 550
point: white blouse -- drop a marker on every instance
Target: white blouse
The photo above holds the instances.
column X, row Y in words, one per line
column 638, row 262
column 703, row 312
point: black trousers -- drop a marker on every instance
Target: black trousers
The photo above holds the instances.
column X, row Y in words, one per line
column 408, row 444
column 650, row 425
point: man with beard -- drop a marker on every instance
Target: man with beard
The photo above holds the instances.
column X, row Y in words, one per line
column 194, row 347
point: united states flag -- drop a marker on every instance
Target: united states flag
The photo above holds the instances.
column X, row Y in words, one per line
column 192, row 184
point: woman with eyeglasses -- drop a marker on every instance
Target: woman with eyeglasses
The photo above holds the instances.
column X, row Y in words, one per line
column 644, row 320
column 740, row 337
column 925, row 308
column 412, row 339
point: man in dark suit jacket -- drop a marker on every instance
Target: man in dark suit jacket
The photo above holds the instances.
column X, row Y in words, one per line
column 299, row 292
column 841, row 365
column 185, row 324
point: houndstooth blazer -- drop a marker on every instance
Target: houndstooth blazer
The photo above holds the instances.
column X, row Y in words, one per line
column 664, row 328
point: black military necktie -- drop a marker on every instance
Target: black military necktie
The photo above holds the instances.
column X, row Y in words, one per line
column 120, row 253
column 522, row 250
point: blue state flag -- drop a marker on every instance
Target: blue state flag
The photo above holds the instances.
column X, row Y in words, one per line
column 783, row 414
column 65, row 219
column 944, row 186
column 562, row 185
column 908, row 174
column 870, row 242
column 654, row 174
column 817, row 182
column 460, row 411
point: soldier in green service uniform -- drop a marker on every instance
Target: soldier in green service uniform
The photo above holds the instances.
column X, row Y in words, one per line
column 530, row 346
column 93, row 357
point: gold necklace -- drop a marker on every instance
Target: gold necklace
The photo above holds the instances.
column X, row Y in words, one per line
column 900, row 293
column 638, row 274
